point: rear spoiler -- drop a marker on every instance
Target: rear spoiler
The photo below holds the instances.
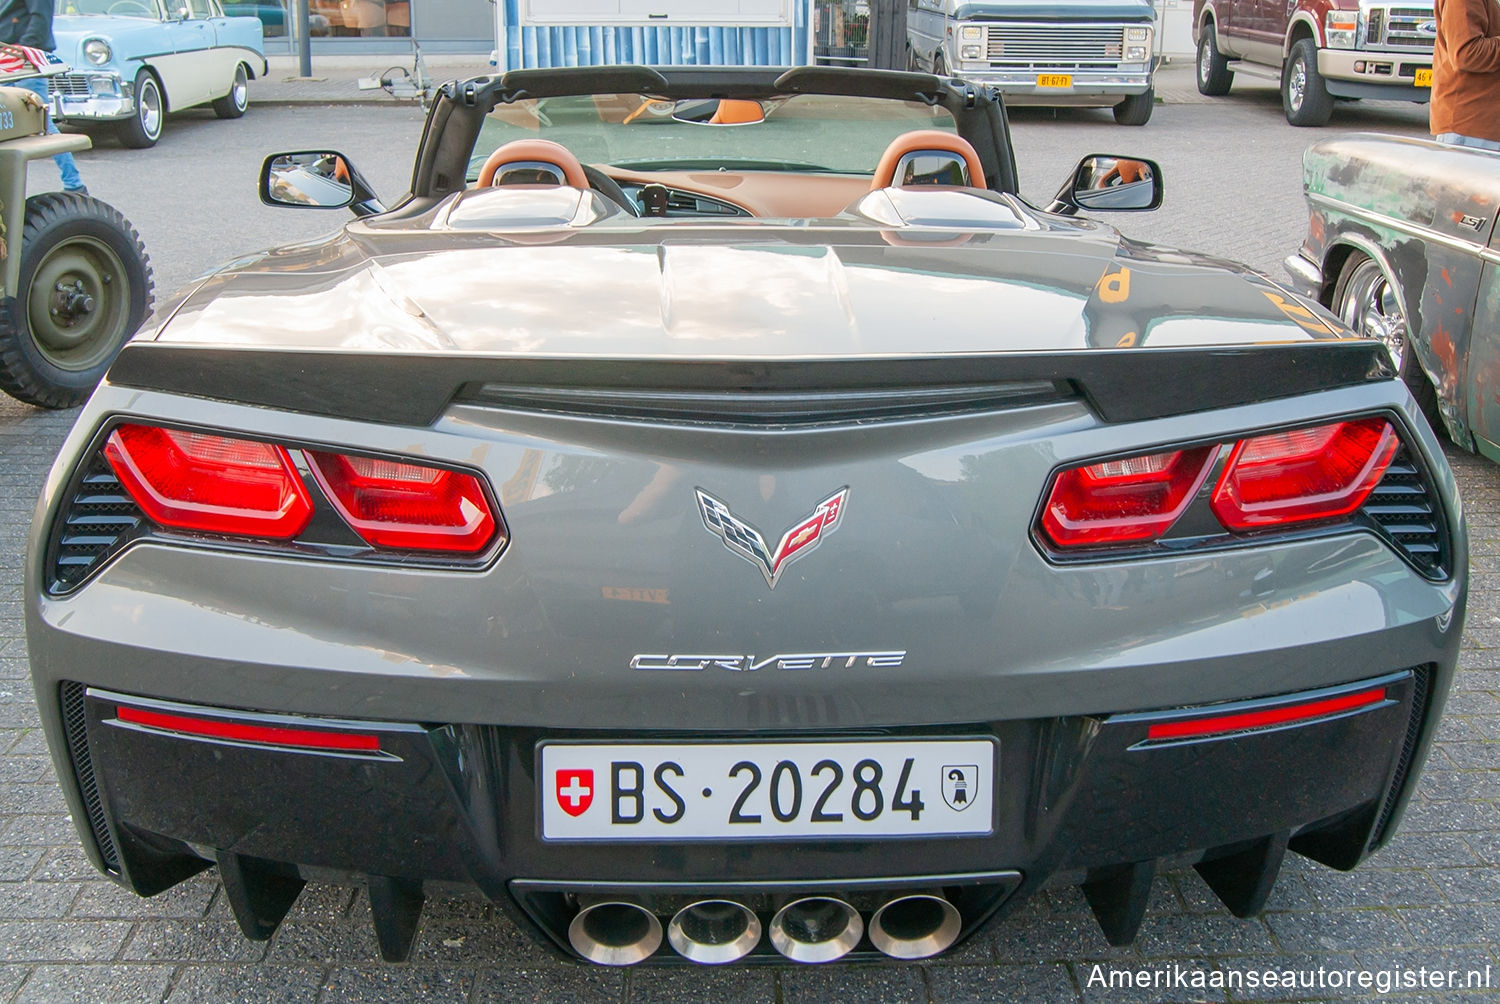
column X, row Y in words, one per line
column 1120, row 385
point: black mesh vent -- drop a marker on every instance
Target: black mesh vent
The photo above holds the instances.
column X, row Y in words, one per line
column 96, row 521
column 1404, row 508
column 1420, row 683
column 75, row 729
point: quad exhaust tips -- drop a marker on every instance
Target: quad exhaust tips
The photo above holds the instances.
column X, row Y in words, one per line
column 916, row 926
column 714, row 931
column 816, row 929
column 614, row 932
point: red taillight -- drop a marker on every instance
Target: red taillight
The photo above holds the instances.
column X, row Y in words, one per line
column 213, row 484
column 1304, row 474
column 265, row 735
column 1262, row 718
column 1119, row 501
column 407, row 506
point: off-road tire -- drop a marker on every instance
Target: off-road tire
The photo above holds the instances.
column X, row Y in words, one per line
column 1313, row 106
column 1214, row 75
column 1136, row 109
column 77, row 238
column 137, row 132
column 1361, row 289
column 233, row 104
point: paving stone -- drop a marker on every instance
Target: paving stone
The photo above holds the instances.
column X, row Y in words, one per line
column 1452, row 925
column 840, row 984
column 247, row 985
column 976, row 984
column 17, row 862
column 214, row 938
column 550, row 985
column 96, row 984
column 1194, row 936
column 34, row 900
column 1337, row 930
column 48, row 830
column 746, row 985
column 1468, row 885
column 60, row 941
column 105, row 900
column 397, row 985
column 11, row 978
column 1378, row 887
column 1059, row 940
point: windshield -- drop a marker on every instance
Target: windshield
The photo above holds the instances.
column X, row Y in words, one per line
column 115, row 8
column 806, row 132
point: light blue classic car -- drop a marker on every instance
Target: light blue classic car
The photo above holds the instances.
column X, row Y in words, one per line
column 135, row 60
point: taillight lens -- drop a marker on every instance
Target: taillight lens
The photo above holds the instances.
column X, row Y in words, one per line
column 1304, row 474
column 213, row 484
column 407, row 506
column 1132, row 500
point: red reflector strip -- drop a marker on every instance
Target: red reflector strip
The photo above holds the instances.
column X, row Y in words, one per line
column 1283, row 715
column 270, row 735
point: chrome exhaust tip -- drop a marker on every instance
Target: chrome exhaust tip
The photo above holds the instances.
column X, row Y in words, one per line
column 714, row 931
column 816, row 929
column 916, row 926
column 614, row 932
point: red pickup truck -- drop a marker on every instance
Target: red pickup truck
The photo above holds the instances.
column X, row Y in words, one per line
column 1320, row 50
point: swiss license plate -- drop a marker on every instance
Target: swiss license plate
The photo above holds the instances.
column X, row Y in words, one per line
column 1054, row 80
column 1424, row 78
column 760, row 791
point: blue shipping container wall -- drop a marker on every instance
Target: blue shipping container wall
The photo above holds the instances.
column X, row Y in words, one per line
column 531, row 46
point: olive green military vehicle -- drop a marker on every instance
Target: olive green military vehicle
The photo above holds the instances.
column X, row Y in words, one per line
column 75, row 281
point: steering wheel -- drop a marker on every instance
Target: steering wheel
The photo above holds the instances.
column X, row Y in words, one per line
column 116, row 7
column 610, row 189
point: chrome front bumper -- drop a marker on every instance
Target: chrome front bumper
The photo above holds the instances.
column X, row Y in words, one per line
column 108, row 99
column 1020, row 87
column 1307, row 277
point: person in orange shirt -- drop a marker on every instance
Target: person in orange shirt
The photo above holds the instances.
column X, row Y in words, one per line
column 1465, row 107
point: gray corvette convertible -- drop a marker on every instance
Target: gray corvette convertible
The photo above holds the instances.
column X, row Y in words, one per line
column 714, row 517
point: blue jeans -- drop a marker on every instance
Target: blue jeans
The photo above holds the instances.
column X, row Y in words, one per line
column 1458, row 139
column 65, row 164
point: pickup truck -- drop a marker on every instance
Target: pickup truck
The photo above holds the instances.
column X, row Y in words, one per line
column 1042, row 52
column 1319, row 50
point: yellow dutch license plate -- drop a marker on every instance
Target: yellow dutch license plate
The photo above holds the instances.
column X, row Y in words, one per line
column 1054, row 80
column 1424, row 78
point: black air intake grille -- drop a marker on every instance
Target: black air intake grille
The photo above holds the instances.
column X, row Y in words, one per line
column 75, row 729
column 1420, row 685
column 97, row 520
column 1403, row 507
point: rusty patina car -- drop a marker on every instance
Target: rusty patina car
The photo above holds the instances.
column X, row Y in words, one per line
column 1401, row 244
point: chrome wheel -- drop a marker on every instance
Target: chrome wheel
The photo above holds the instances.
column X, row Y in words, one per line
column 1369, row 305
column 1296, row 85
column 148, row 107
column 239, row 91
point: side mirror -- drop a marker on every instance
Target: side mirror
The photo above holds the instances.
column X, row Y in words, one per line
column 1108, row 183
column 320, row 179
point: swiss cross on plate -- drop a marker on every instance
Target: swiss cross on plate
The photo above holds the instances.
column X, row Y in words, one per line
column 575, row 791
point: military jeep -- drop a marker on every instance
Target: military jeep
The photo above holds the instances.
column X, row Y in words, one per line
column 75, row 282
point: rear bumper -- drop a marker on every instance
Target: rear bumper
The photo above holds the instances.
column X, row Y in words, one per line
column 1079, row 799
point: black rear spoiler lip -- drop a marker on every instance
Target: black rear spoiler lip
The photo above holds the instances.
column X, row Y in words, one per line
column 1120, row 385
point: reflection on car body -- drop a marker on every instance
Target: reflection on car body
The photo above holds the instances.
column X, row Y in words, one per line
column 815, row 580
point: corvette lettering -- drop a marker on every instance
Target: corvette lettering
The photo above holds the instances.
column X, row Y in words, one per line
column 746, row 541
column 749, row 663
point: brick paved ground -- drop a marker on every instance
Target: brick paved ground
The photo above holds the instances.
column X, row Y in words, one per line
column 1431, row 899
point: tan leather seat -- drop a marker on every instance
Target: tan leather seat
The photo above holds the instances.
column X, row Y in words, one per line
column 534, row 151
column 921, row 141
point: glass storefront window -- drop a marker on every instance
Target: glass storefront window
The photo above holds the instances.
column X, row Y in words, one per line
column 365, row 18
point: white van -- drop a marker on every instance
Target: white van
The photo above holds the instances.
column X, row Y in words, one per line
column 1036, row 52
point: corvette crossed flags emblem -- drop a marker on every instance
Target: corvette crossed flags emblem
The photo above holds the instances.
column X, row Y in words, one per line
column 746, row 541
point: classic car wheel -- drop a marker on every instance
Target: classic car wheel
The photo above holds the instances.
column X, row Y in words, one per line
column 85, row 286
column 1214, row 75
column 233, row 104
column 144, row 129
column 1304, row 96
column 1366, row 301
column 1136, row 109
